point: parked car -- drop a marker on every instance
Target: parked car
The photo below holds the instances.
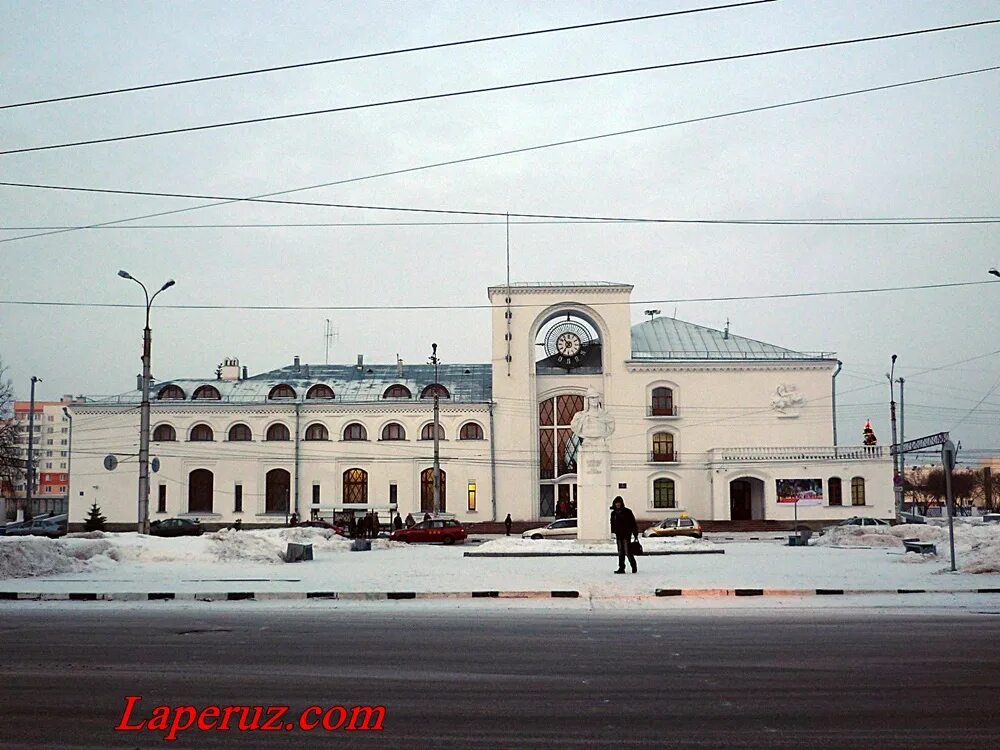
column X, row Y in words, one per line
column 912, row 518
column 991, row 518
column 564, row 528
column 53, row 527
column 859, row 521
column 8, row 528
column 437, row 530
column 176, row 527
column 675, row 527
column 319, row 523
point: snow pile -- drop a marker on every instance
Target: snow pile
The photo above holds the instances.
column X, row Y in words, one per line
column 26, row 557
column 859, row 536
column 513, row 545
column 231, row 546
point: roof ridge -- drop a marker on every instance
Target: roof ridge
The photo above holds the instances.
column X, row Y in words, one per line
column 716, row 330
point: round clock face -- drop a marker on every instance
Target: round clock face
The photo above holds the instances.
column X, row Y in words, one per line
column 567, row 343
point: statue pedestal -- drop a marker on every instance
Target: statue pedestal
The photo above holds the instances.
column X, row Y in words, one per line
column 593, row 491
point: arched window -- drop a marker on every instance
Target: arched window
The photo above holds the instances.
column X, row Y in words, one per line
column 200, row 490
column 355, row 431
column 663, row 447
column 427, row 491
column 470, row 431
column 663, row 493
column 164, row 433
column 239, row 433
column 277, row 431
column 662, row 403
column 834, row 490
column 427, row 433
column 170, row 392
column 317, row 432
column 201, row 433
column 393, row 431
column 356, row 487
column 320, row 390
column 206, row 392
column 858, row 491
column 282, row 391
column 397, row 391
column 435, row 389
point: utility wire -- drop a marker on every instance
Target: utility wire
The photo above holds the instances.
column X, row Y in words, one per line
column 385, row 53
column 488, row 89
column 508, row 153
column 522, row 215
column 789, row 295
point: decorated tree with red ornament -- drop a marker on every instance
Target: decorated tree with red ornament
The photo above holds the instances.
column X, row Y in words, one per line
column 869, row 434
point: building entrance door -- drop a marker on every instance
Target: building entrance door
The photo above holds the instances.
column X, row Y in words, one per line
column 740, row 508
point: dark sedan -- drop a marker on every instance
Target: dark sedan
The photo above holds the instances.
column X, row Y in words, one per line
column 176, row 527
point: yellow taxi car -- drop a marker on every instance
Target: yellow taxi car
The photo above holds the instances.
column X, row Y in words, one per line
column 683, row 526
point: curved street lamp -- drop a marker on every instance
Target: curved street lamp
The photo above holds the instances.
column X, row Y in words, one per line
column 143, row 522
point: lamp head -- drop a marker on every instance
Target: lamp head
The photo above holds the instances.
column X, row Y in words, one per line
column 995, row 272
column 125, row 274
column 170, row 283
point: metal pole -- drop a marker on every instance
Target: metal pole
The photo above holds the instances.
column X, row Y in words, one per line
column 31, row 450
column 297, row 422
column 437, row 453
column 493, row 465
column 142, row 525
column 902, row 439
column 948, row 459
column 896, row 488
column 69, row 459
column 833, row 399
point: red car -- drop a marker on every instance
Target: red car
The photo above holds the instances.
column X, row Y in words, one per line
column 445, row 531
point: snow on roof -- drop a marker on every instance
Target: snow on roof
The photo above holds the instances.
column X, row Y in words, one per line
column 467, row 383
column 669, row 338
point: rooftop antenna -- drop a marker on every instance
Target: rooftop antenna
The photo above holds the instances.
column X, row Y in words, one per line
column 675, row 312
column 725, row 333
column 651, row 313
column 330, row 334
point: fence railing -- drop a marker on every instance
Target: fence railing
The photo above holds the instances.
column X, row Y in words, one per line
column 822, row 453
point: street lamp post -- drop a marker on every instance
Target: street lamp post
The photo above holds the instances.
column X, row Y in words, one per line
column 69, row 459
column 31, row 451
column 143, row 522
column 437, row 414
column 897, row 488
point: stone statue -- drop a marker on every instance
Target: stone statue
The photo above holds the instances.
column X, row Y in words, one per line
column 593, row 424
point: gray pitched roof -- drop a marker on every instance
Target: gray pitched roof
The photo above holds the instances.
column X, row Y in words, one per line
column 669, row 338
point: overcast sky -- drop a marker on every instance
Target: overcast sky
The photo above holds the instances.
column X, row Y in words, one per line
column 926, row 150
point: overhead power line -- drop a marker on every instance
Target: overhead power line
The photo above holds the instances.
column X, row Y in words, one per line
column 488, row 89
column 508, row 152
column 789, row 295
column 385, row 53
column 521, row 215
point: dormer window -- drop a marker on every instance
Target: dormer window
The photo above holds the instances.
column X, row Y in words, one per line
column 281, row 391
column 435, row 389
column 320, row 390
column 209, row 392
column 170, row 392
column 397, row 391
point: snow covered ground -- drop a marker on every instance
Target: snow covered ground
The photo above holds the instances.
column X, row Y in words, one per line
column 250, row 561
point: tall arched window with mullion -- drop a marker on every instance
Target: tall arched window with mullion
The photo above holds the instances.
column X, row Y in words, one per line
column 663, row 447
column 664, row 496
column 356, row 487
column 662, row 403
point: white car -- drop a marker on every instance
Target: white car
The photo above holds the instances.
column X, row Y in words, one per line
column 564, row 528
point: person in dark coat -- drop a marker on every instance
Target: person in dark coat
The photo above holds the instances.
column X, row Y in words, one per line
column 397, row 522
column 624, row 527
column 507, row 522
column 410, row 522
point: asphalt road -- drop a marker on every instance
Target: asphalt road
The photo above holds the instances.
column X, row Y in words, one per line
column 491, row 678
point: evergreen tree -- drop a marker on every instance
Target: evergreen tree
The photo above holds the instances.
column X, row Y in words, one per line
column 94, row 521
column 869, row 434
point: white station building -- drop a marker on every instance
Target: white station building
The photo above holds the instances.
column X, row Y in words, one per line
column 708, row 424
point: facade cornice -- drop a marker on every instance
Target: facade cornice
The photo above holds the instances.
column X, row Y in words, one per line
column 210, row 408
column 728, row 366
column 556, row 289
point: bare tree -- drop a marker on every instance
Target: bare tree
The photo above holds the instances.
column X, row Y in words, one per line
column 11, row 467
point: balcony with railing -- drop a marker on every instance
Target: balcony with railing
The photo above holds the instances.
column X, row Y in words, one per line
column 664, row 457
column 667, row 412
column 820, row 453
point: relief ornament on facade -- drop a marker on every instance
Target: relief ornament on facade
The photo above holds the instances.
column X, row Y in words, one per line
column 786, row 400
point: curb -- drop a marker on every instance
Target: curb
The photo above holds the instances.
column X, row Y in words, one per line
column 233, row 596
column 594, row 554
column 814, row 592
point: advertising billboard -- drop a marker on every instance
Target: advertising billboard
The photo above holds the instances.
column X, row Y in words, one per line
column 800, row 491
